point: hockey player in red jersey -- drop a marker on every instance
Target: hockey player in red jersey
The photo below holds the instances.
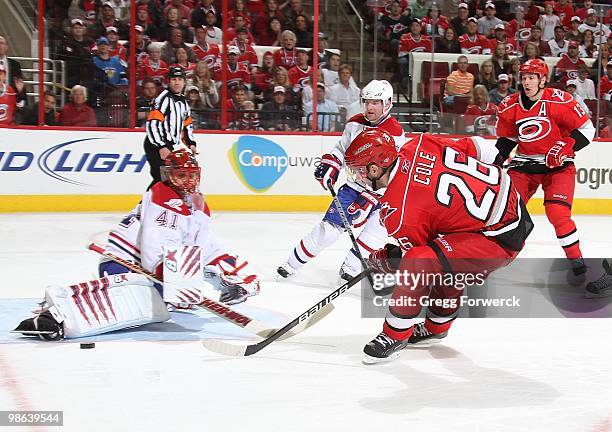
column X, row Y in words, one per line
column 548, row 126
column 449, row 212
column 359, row 202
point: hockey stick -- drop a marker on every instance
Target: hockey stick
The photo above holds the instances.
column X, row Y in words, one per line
column 347, row 227
column 219, row 309
column 222, row 347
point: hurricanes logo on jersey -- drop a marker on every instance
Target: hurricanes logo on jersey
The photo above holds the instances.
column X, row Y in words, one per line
column 533, row 128
column 524, row 34
column 385, row 212
column 3, row 111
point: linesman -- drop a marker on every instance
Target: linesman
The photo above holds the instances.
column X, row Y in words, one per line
column 169, row 124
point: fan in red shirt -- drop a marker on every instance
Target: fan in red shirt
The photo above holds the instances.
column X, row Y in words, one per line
column 549, row 126
column 565, row 12
column 287, row 55
column 605, row 84
column 582, row 12
column 240, row 26
column 237, row 75
column 153, row 67
column 568, row 65
column 116, row 49
column 519, row 28
column 478, row 114
column 414, row 41
column 500, row 37
column 77, row 112
column 300, row 74
column 8, row 99
column 450, row 213
column 472, row 42
column 248, row 56
column 434, row 23
column 207, row 52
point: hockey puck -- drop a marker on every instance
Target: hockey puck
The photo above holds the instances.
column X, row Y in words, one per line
column 88, row 345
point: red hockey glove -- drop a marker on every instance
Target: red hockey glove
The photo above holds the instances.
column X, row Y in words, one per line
column 362, row 207
column 557, row 154
column 328, row 169
column 386, row 260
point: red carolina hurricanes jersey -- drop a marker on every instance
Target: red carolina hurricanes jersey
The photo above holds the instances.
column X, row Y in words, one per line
column 568, row 68
column 520, row 32
column 439, row 187
column 158, row 74
column 248, row 56
column 511, row 45
column 235, row 76
column 299, row 77
column 119, row 51
column 553, row 117
column 210, row 56
column 408, row 44
column 605, row 86
column 477, row 44
column 8, row 101
column 285, row 58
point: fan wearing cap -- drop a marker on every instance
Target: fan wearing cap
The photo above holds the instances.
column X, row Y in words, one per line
column 107, row 19
column 472, row 42
column 570, row 87
column 111, row 67
column 277, row 115
column 459, row 23
column 115, row 48
column 605, row 84
column 300, row 73
column 487, row 23
column 519, row 28
column 567, row 66
column 600, row 31
column 501, row 37
column 169, row 124
column 409, row 43
column 502, row 90
column 558, row 45
column 76, row 53
column 548, row 21
column 573, row 33
column 8, row 99
column 549, row 126
column 142, row 45
column 236, row 74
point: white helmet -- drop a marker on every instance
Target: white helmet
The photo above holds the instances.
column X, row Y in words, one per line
column 379, row 90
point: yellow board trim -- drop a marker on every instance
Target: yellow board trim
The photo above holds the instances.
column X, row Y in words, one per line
column 268, row 203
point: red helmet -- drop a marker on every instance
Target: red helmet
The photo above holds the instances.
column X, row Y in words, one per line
column 372, row 146
column 535, row 66
column 181, row 171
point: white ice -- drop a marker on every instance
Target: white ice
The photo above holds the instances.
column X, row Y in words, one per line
column 488, row 375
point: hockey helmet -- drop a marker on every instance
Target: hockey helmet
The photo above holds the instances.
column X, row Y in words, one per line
column 379, row 90
column 177, row 72
column 370, row 147
column 535, row 66
column 181, row 171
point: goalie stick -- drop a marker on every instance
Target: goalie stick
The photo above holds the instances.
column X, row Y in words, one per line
column 314, row 312
column 347, row 227
column 219, row 309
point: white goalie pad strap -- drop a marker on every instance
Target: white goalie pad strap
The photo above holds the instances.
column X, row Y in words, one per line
column 106, row 304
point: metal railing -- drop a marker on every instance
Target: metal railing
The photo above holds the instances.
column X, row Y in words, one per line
column 54, row 75
column 19, row 6
column 346, row 17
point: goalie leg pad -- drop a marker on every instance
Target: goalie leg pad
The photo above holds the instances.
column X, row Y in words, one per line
column 107, row 304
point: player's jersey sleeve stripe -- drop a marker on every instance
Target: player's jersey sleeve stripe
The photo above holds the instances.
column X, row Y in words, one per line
column 499, row 208
column 508, row 227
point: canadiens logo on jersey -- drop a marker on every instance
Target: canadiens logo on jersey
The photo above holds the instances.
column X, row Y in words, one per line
column 170, row 260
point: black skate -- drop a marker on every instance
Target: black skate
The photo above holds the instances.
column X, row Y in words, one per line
column 602, row 287
column 44, row 326
column 578, row 266
column 285, row 271
column 233, row 294
column 382, row 348
column 422, row 337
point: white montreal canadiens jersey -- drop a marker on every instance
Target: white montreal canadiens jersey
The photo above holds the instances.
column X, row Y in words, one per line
column 358, row 124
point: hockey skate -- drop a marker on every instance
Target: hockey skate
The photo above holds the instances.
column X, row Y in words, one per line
column 382, row 348
column 421, row 337
column 602, row 287
column 285, row 271
column 42, row 325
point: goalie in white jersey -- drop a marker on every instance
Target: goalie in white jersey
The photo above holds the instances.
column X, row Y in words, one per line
column 359, row 202
column 169, row 235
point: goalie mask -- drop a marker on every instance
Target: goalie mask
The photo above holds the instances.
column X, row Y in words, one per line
column 371, row 147
column 181, row 172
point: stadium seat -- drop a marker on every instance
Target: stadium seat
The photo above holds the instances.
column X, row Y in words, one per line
column 440, row 70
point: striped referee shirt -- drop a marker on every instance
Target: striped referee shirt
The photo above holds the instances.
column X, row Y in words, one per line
column 169, row 123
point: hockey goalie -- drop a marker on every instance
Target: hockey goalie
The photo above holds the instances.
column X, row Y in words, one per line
column 168, row 234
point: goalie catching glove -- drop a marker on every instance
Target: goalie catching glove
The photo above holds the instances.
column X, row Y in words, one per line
column 562, row 150
column 386, row 260
column 328, row 170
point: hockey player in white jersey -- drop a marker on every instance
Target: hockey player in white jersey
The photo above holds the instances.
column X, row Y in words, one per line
column 168, row 230
column 359, row 202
